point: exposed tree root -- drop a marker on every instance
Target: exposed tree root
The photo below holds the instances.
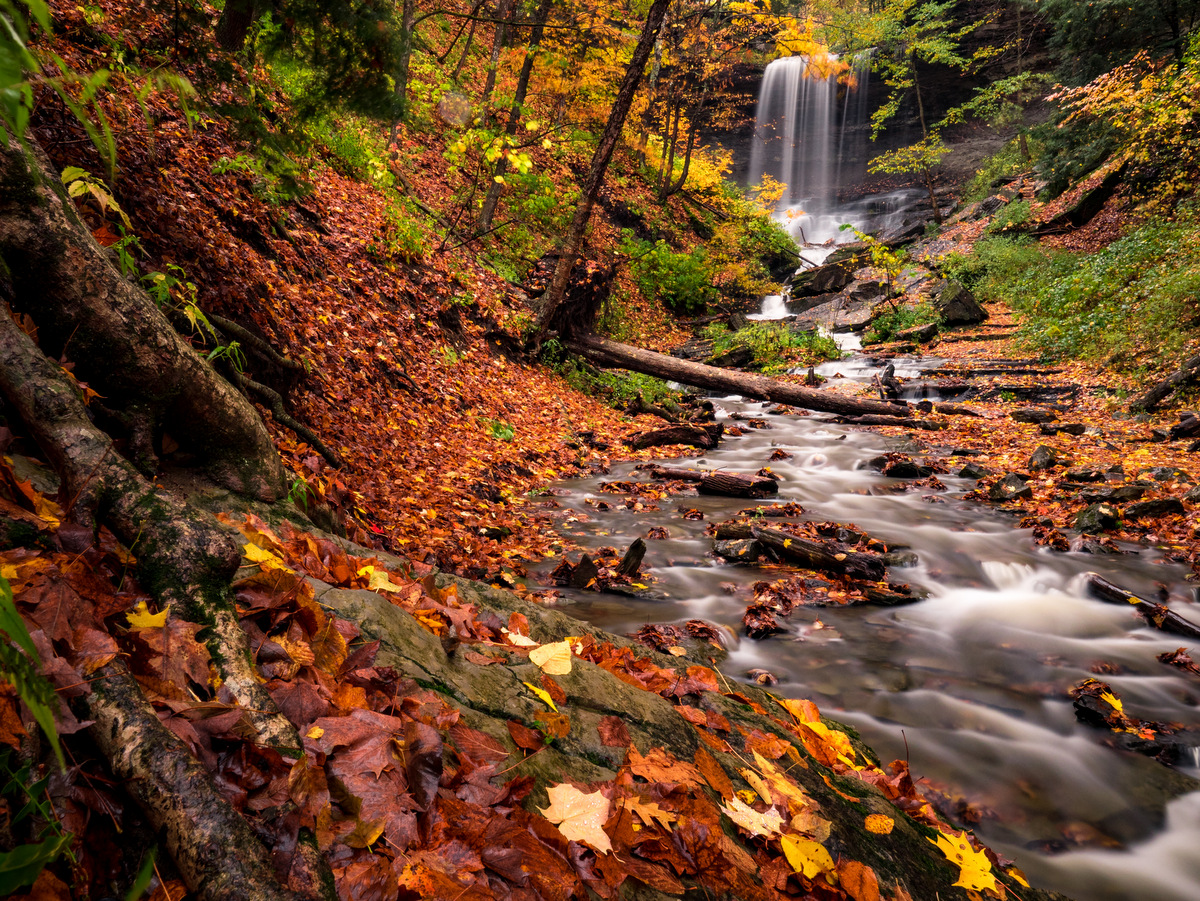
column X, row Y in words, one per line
column 121, row 343
column 274, row 402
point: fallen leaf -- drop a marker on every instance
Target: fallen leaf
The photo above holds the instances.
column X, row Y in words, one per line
column 976, row 869
column 579, row 816
column 142, row 618
column 808, row 858
column 768, row 823
column 543, row 694
column 858, row 881
column 880, row 824
column 554, row 659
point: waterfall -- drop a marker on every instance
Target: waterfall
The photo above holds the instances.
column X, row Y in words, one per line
column 803, row 137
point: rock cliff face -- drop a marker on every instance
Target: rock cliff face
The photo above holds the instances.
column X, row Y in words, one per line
column 942, row 87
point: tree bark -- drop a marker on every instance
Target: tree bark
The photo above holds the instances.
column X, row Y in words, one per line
column 216, row 852
column 1158, row 615
column 484, row 222
column 504, row 9
column 829, row 557
column 186, row 559
column 552, row 318
column 703, row 437
column 732, row 484
column 121, row 343
column 234, row 24
column 612, row 354
column 1185, row 374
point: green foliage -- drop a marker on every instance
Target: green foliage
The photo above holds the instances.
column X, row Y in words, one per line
column 501, row 430
column 79, row 182
column 681, row 281
column 893, row 320
column 892, row 262
column 1005, row 162
column 1134, row 300
column 1010, row 218
column 776, row 346
column 400, row 237
column 19, row 667
column 616, row 387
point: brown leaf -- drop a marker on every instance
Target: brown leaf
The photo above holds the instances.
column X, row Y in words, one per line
column 714, row 774
column 525, row 738
column 858, row 881
column 613, row 733
column 661, row 766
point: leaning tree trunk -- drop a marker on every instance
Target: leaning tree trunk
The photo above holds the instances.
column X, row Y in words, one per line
column 553, row 318
column 612, row 354
column 120, row 341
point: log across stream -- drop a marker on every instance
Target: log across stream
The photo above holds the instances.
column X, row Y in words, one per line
column 969, row 684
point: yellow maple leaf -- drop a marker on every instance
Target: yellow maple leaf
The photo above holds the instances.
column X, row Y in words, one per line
column 579, row 816
column 808, row 858
column 975, row 869
column 142, row 618
column 554, row 659
column 649, row 812
column 264, row 558
column 543, row 694
column 767, row 823
column 1113, row 701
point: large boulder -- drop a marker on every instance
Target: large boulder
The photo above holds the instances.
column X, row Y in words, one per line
column 826, row 279
column 956, row 304
column 842, row 314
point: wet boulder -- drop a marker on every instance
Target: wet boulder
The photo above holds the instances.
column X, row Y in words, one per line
column 738, row 551
column 974, row 471
column 1010, row 488
column 1122, row 494
column 1033, row 415
column 919, row 333
column 1165, row 474
column 1096, row 518
column 842, row 314
column 1163, row 506
column 956, row 304
column 828, row 278
column 1044, row 457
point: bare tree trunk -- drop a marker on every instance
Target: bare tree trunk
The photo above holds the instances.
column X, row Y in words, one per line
column 121, row 343
column 933, row 201
column 504, row 9
column 553, row 318
column 234, row 24
column 407, row 24
column 484, row 221
column 612, row 354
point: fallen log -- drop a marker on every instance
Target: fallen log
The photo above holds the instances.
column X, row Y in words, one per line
column 612, row 354
column 904, row 423
column 1186, row 373
column 704, row 437
column 671, row 473
column 1158, row 615
column 732, row 484
column 827, row 556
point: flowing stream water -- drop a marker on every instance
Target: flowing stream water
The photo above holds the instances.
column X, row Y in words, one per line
column 969, row 684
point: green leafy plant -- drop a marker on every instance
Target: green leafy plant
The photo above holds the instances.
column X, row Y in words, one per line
column 775, row 346
column 1010, row 218
column 19, row 667
column 79, row 182
column 681, row 281
column 501, row 430
column 892, row 321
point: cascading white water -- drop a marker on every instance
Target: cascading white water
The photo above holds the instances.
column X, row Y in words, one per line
column 794, row 137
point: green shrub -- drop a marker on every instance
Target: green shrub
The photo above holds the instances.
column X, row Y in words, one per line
column 1010, row 218
column 1007, row 161
column 616, row 387
column 893, row 320
column 681, row 281
column 776, row 346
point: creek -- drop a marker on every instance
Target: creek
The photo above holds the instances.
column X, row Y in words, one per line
column 970, row 683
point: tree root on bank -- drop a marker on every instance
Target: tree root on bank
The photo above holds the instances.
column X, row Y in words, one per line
column 186, row 560
column 274, row 402
column 199, row 826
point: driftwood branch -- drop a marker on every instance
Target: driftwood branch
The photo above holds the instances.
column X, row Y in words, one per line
column 1158, row 615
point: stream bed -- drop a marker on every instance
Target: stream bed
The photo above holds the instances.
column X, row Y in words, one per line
column 969, row 684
